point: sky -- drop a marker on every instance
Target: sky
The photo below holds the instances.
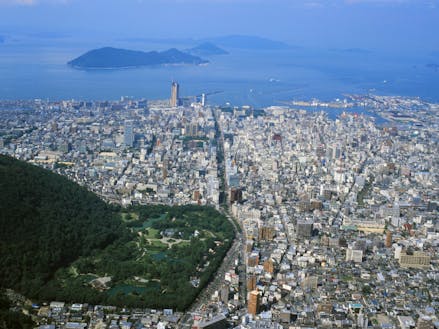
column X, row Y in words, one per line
column 403, row 25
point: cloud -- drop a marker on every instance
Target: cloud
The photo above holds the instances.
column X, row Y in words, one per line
column 17, row 2
column 31, row 2
column 376, row 1
column 390, row 2
column 289, row 3
column 300, row 3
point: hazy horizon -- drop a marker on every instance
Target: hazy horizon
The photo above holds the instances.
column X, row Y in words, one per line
column 41, row 36
column 394, row 25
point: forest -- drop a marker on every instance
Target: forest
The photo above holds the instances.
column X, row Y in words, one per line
column 10, row 319
column 47, row 222
column 171, row 256
column 59, row 241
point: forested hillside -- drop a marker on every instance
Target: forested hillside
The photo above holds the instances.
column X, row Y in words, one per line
column 46, row 222
column 60, row 242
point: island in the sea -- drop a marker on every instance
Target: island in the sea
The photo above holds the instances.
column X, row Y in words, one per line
column 248, row 42
column 433, row 66
column 115, row 58
column 207, row 49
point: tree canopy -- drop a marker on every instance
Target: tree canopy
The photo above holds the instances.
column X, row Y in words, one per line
column 56, row 238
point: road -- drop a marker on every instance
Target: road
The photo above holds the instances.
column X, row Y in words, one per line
column 232, row 255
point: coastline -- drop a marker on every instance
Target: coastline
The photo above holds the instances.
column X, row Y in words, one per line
column 115, row 68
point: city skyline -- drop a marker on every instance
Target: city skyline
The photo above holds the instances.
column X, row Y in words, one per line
column 334, row 220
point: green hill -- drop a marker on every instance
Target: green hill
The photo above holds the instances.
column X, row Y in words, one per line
column 46, row 222
column 60, row 242
column 12, row 319
column 113, row 58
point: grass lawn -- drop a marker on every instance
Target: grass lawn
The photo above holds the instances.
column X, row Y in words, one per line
column 127, row 217
column 150, row 233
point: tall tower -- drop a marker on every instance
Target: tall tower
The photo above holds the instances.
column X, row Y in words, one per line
column 128, row 134
column 254, row 302
column 203, row 99
column 174, row 94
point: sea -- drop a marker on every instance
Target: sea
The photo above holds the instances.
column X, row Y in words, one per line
column 32, row 69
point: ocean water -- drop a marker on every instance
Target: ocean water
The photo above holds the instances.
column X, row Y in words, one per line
column 257, row 78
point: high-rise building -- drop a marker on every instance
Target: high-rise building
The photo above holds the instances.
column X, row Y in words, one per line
column 253, row 260
column 191, row 129
column 174, row 101
column 269, row 266
column 251, row 283
column 203, row 99
column 266, row 233
column 388, row 239
column 254, row 302
column 304, row 228
column 196, row 195
column 128, row 135
column 235, row 195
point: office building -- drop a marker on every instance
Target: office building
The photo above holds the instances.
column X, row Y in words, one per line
column 304, row 229
column 269, row 266
column 251, row 283
column 128, row 135
column 388, row 239
column 266, row 233
column 254, row 302
column 235, row 195
column 174, row 101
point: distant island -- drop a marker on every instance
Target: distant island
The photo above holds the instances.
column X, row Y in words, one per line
column 114, row 58
column 207, row 49
column 352, row 50
column 248, row 42
column 433, row 66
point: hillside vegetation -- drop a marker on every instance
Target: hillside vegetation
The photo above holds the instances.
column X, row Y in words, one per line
column 60, row 242
column 108, row 57
column 46, row 222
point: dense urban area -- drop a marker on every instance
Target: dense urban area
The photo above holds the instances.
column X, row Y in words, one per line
column 335, row 219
